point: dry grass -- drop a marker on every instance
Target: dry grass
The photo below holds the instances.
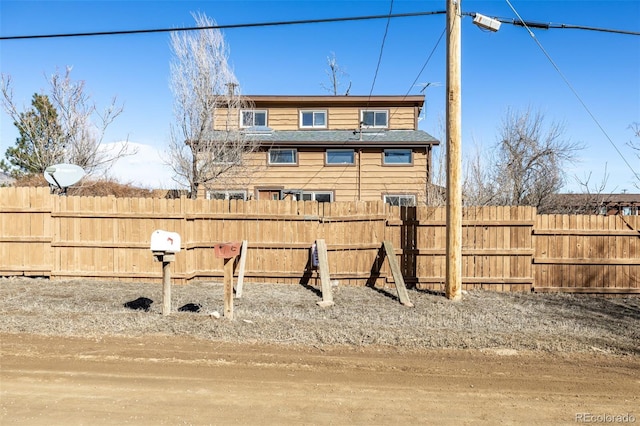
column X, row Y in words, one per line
column 95, row 188
column 271, row 313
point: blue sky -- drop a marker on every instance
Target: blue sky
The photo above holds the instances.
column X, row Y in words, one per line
column 501, row 70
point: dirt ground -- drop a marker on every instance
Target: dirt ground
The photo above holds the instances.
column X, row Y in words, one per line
column 72, row 354
column 176, row 380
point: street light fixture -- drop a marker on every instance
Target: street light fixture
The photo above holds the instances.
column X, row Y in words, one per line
column 486, row 22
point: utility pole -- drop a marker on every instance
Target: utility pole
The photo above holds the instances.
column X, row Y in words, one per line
column 453, row 289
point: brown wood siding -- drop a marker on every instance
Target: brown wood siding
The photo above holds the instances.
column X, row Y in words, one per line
column 282, row 118
column 312, row 174
column 349, row 118
column 378, row 179
column 338, row 118
column 226, row 120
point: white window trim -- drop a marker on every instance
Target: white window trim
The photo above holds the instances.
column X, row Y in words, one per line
column 384, row 157
column 254, row 111
column 295, row 151
column 326, row 157
column 227, row 194
column 314, row 126
column 374, row 111
column 412, row 197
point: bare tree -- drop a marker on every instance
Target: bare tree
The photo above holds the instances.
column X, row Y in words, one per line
column 74, row 132
column 208, row 147
column 635, row 144
column 436, row 179
column 335, row 73
column 526, row 167
column 479, row 188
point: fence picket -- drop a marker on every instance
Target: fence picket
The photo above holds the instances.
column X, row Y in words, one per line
column 504, row 248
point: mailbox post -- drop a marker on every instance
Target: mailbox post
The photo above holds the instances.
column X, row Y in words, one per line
column 228, row 252
column 164, row 246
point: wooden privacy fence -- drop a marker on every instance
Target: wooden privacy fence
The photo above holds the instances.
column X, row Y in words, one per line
column 587, row 254
column 504, row 248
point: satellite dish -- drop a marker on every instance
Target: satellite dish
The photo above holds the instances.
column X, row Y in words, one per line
column 63, row 175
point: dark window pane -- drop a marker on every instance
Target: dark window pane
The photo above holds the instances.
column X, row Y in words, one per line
column 397, row 156
column 307, row 119
column 381, row 119
column 323, row 198
column 260, row 119
column 340, row 157
column 368, row 118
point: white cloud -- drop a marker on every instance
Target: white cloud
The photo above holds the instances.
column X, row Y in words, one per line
column 145, row 168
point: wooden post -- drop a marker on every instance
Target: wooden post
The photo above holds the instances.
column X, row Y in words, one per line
column 243, row 262
column 228, row 252
column 228, row 287
column 166, row 287
column 398, row 279
column 166, row 259
column 323, row 269
column 454, row 156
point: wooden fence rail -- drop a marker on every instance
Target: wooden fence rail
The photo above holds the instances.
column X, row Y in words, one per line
column 504, row 248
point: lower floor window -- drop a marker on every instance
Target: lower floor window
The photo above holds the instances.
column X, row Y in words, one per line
column 400, row 200
column 283, row 156
column 319, row 196
column 227, row 195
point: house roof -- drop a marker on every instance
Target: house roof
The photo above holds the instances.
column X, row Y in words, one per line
column 343, row 138
column 623, row 199
column 361, row 101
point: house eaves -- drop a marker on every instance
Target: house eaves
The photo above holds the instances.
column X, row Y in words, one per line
column 388, row 101
column 345, row 138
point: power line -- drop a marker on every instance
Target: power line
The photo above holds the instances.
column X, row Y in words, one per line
column 584, row 105
column 530, row 24
column 551, row 26
column 229, row 26
column 426, row 62
column 384, row 38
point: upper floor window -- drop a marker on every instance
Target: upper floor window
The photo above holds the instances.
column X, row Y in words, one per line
column 374, row 118
column 283, row 156
column 253, row 117
column 397, row 157
column 313, row 119
column 340, row 156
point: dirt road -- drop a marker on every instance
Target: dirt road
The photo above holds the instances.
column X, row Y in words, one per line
column 175, row 381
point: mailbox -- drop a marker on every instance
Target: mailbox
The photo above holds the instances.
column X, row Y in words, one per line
column 227, row 250
column 165, row 241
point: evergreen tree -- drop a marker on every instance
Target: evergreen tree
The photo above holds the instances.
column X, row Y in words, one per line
column 41, row 142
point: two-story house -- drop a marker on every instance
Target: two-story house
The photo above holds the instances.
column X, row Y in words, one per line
column 334, row 148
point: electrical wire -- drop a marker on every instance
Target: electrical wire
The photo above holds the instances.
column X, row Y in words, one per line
column 551, row 26
column 573, row 90
column 229, row 26
column 521, row 22
column 384, row 38
column 426, row 62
